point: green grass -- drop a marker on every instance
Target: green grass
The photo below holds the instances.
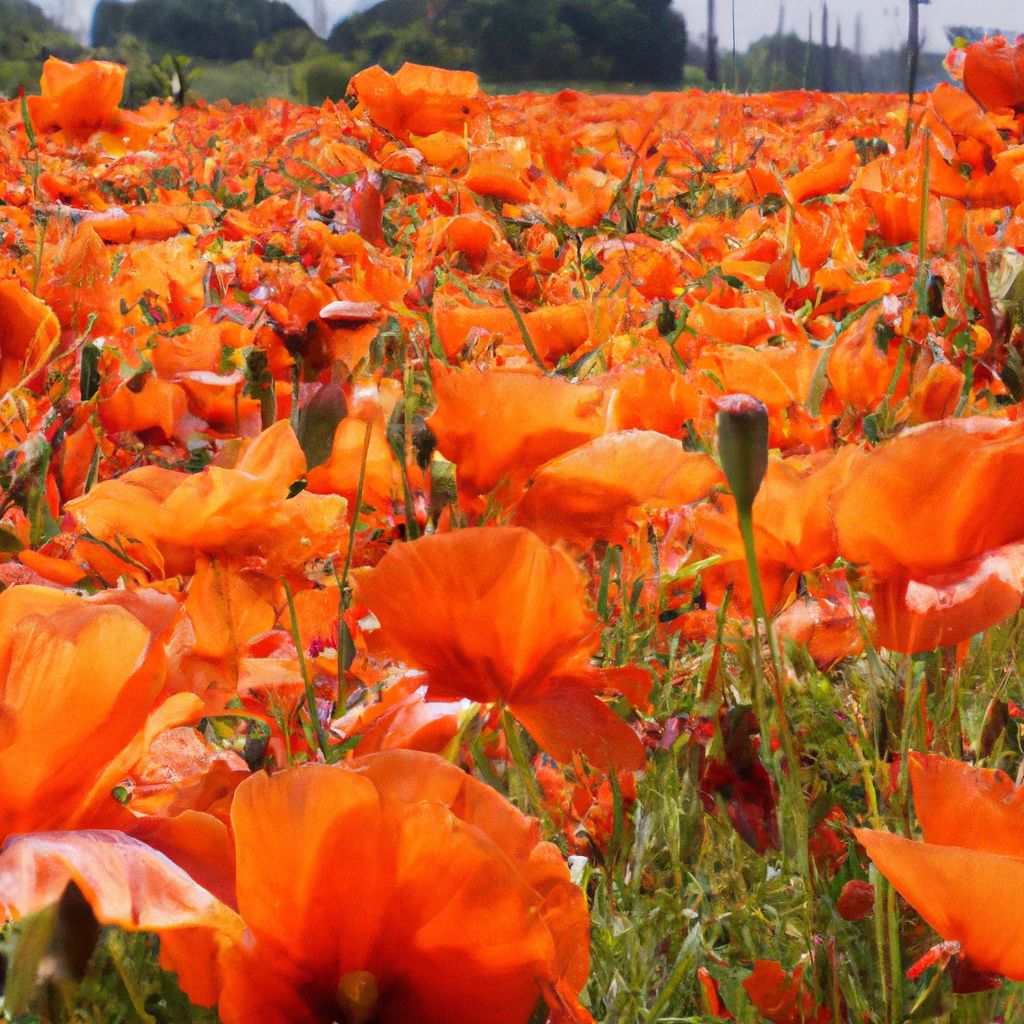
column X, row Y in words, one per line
column 243, row 81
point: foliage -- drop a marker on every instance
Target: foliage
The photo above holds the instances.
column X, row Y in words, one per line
column 290, row 46
column 618, row 40
column 27, row 37
column 244, row 81
column 321, row 77
column 174, row 77
column 220, row 29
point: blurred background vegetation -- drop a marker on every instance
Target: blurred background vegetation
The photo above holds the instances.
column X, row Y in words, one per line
column 247, row 50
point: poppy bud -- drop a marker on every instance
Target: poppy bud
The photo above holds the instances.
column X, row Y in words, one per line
column 856, row 900
column 743, row 446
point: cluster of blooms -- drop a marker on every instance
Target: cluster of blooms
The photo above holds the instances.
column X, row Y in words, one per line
column 345, row 430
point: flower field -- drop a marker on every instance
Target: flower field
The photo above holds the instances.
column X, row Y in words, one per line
column 519, row 559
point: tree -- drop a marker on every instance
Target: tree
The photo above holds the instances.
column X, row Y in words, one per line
column 640, row 40
column 289, row 47
column 224, row 29
column 913, row 46
column 27, row 38
column 516, row 41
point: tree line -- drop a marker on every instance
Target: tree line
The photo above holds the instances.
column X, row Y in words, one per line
column 249, row 48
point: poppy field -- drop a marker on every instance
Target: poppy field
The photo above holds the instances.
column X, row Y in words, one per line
column 482, row 559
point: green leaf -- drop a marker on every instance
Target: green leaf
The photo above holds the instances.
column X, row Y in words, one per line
column 89, row 380
column 318, row 421
column 9, row 541
column 34, row 932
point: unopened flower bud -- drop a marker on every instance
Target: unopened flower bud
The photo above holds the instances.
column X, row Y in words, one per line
column 743, row 445
column 856, row 900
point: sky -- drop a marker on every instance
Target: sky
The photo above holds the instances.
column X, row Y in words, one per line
column 883, row 22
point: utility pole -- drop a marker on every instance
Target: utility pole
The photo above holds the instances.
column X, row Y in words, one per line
column 826, row 53
column 858, row 49
column 840, row 65
column 711, row 66
column 913, row 46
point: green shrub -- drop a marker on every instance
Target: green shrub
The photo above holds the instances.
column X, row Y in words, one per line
column 321, row 78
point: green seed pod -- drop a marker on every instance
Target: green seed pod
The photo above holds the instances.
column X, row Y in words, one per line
column 743, row 446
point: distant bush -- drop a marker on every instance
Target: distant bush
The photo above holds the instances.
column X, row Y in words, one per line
column 322, row 78
column 292, row 46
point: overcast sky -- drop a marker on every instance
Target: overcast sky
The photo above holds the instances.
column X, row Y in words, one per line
column 883, row 22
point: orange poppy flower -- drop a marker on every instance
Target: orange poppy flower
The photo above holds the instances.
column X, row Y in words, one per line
column 958, row 878
column 504, row 423
column 79, row 681
column 455, row 911
column 418, row 99
column 403, row 719
column 495, row 614
column 144, row 403
column 859, row 371
column 793, row 527
column 78, row 97
column 164, row 518
column 30, row 335
column 782, row 998
column 589, row 493
column 937, row 517
column 554, row 331
column 182, row 771
column 993, row 73
column 826, row 176
column 824, row 623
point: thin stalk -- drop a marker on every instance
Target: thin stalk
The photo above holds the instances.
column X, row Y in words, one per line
column 895, row 961
column 878, row 918
column 318, row 729
column 520, row 760
column 296, row 373
column 921, row 278
column 792, row 781
column 680, row 969
column 342, row 582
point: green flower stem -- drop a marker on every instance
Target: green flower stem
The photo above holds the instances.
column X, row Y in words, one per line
column 921, row 276
column 307, row 681
column 895, row 960
column 342, row 581
column 788, row 784
column 520, row 760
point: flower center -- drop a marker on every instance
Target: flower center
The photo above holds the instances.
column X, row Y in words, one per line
column 357, row 997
